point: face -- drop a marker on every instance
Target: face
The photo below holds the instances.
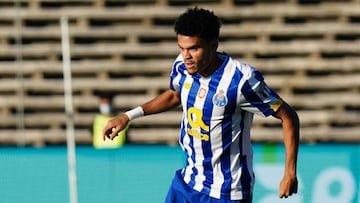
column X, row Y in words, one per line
column 105, row 106
column 198, row 55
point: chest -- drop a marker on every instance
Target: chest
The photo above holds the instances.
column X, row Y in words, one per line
column 211, row 97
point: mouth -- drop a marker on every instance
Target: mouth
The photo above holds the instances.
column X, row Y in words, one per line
column 189, row 65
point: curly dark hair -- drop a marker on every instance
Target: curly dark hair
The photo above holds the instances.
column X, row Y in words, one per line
column 198, row 22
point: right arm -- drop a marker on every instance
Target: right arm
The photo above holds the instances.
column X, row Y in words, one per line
column 165, row 101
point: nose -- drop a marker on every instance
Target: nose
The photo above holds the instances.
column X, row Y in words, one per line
column 185, row 53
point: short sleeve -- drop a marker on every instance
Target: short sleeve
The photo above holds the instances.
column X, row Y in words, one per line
column 257, row 96
column 175, row 74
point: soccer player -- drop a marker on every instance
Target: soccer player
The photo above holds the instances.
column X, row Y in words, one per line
column 219, row 96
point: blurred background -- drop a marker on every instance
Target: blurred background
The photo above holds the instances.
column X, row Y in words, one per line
column 308, row 51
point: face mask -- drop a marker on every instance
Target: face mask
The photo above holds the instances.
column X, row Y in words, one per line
column 105, row 109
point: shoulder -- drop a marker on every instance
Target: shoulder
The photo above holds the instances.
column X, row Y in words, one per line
column 177, row 65
column 179, row 60
column 246, row 70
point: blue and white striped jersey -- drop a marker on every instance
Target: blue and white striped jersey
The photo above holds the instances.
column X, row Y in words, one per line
column 215, row 130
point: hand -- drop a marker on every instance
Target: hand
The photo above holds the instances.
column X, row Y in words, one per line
column 288, row 186
column 114, row 126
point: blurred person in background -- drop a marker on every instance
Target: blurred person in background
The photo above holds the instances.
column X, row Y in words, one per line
column 101, row 118
column 219, row 96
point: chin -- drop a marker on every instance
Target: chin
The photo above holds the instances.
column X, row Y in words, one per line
column 192, row 72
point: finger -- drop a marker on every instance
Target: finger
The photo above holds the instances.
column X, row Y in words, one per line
column 284, row 194
column 281, row 194
column 295, row 188
column 114, row 133
column 107, row 132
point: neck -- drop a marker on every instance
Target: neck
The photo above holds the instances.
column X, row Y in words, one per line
column 213, row 66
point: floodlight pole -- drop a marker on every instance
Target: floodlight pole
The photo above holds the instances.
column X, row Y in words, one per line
column 70, row 134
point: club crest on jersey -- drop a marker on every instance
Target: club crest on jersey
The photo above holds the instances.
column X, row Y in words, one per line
column 220, row 99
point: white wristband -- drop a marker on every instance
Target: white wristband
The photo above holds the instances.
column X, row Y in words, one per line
column 135, row 113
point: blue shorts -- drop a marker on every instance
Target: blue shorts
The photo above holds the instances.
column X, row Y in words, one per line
column 180, row 192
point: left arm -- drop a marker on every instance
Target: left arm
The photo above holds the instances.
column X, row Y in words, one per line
column 290, row 126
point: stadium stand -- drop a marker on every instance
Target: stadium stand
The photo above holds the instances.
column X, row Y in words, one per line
column 308, row 50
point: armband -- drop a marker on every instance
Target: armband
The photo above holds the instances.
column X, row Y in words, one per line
column 135, row 113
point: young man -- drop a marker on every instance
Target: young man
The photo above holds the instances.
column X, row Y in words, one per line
column 219, row 96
